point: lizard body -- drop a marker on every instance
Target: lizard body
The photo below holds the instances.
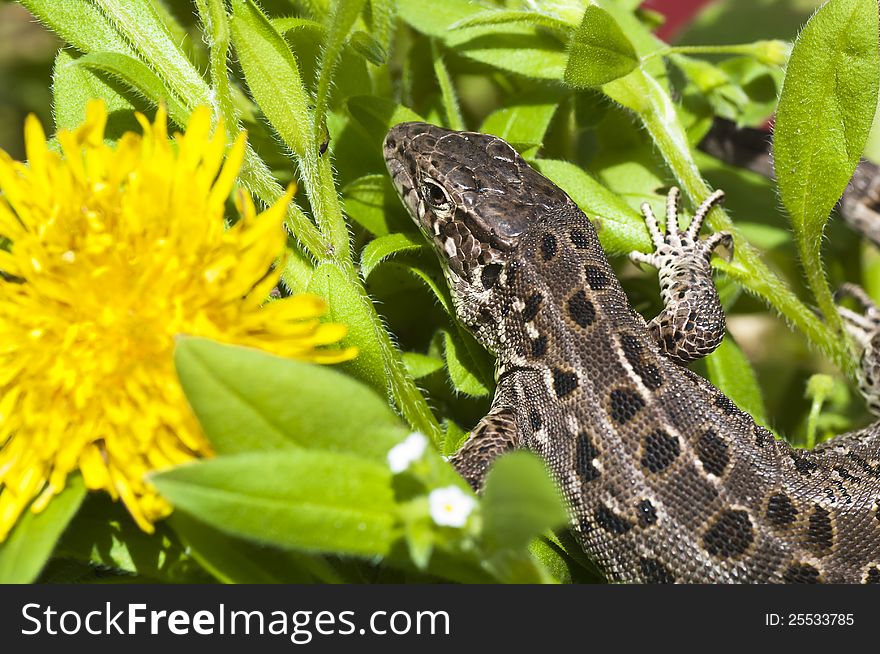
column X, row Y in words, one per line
column 666, row 479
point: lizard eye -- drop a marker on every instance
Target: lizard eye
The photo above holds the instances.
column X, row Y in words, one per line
column 435, row 195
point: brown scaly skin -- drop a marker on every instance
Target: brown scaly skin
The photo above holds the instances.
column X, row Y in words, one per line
column 666, row 479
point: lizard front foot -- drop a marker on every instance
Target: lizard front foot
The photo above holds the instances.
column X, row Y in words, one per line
column 692, row 323
column 865, row 329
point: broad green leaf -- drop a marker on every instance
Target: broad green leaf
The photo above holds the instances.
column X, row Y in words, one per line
column 825, row 111
column 514, row 47
column 72, row 88
column 138, row 77
column 520, row 502
column 620, row 228
column 380, row 249
column 248, row 400
column 599, row 51
column 31, row 542
column 234, row 560
column 468, row 364
column 299, row 499
column 349, row 304
column 454, row 438
column 272, row 75
column 731, row 372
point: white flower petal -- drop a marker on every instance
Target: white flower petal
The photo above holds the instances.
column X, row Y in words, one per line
column 450, row 506
column 411, row 449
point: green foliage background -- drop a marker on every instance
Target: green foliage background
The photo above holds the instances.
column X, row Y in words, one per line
column 301, row 490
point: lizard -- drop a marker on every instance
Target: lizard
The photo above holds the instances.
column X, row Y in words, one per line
column 666, row 479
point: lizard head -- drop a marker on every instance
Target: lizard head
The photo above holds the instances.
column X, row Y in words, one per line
column 472, row 196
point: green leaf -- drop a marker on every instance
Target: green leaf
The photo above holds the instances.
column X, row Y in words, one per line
column 468, row 364
column 234, row 560
column 368, row 47
column 141, row 25
column 730, row 371
column 339, row 24
column 283, row 25
column 828, row 100
column 421, row 365
column 138, row 77
column 306, row 500
column 621, row 229
column 31, row 542
column 80, row 23
column 502, row 17
column 272, row 75
column 519, row 502
column 373, row 204
column 514, row 47
column 524, row 122
column 73, row 87
column 248, row 400
column 599, row 51
column 384, row 247
column 378, row 115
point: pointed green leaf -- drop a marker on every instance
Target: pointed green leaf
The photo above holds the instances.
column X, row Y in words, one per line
column 248, row 400
column 384, row 247
column 272, row 75
column 519, row 502
column 31, row 542
column 469, row 365
column 599, row 51
column 299, row 499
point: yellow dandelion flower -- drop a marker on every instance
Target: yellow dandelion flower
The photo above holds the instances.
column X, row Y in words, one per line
column 110, row 251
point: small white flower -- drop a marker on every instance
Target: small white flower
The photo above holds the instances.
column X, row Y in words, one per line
column 450, row 506
column 406, row 452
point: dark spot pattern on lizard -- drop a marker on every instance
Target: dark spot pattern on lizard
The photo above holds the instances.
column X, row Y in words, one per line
column 531, row 307
column 624, row 404
column 579, row 238
column 654, row 572
column 597, row 279
column 659, row 451
column 730, row 535
column 584, row 455
column 647, row 513
column 801, row 573
column 564, row 382
column 714, row 453
column 647, row 371
column 820, row 531
column 611, row 522
column 781, row 511
column 581, row 309
column 549, row 246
